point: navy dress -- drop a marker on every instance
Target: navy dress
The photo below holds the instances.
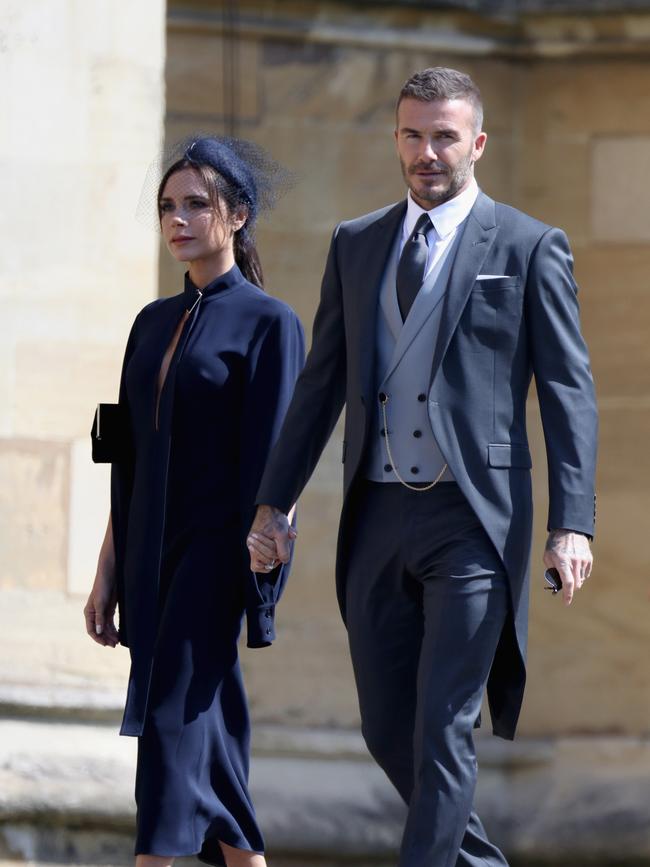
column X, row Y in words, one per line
column 182, row 502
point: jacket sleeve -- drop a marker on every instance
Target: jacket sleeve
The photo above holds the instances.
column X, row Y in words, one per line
column 564, row 384
column 275, row 360
column 317, row 400
column 122, row 473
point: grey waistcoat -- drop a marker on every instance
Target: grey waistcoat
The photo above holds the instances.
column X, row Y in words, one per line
column 404, row 354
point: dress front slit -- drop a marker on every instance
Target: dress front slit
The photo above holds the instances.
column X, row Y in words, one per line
column 165, row 365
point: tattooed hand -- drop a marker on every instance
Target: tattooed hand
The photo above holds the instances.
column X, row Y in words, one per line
column 269, row 539
column 571, row 555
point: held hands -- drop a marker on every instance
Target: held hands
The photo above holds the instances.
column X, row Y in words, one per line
column 100, row 612
column 571, row 555
column 269, row 540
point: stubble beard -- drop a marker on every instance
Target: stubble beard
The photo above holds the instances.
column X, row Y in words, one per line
column 433, row 198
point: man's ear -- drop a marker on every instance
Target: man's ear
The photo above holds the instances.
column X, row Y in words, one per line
column 479, row 146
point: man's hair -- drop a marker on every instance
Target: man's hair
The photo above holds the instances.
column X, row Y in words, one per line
column 439, row 82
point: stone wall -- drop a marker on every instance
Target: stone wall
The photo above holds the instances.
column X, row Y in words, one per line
column 567, row 112
column 81, row 108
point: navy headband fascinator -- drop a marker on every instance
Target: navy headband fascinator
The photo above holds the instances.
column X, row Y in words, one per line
column 247, row 174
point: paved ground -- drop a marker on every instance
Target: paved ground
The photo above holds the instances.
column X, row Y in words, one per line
column 43, row 644
column 66, row 778
column 68, row 788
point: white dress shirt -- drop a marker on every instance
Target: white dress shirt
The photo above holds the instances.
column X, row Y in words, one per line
column 446, row 219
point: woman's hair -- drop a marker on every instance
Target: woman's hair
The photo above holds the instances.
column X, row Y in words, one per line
column 237, row 174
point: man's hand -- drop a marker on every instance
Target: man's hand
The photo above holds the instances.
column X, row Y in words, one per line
column 269, row 539
column 571, row 555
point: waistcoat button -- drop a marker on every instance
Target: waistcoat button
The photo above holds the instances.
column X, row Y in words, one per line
column 415, row 470
column 422, row 397
column 382, row 397
column 417, row 434
column 387, row 468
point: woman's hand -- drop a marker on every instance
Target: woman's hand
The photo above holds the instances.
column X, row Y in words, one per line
column 100, row 611
column 102, row 602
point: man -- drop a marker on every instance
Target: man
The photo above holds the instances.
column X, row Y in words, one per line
column 434, row 314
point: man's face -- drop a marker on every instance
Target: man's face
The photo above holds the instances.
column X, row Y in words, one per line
column 437, row 146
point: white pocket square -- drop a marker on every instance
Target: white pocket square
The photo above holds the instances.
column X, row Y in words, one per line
column 494, row 277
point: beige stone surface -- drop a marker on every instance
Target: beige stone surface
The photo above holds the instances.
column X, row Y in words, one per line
column 88, row 514
column 33, row 503
column 624, row 432
column 615, row 315
column 596, row 97
column 554, row 181
column 587, row 669
column 621, row 197
column 566, row 801
column 59, row 385
column 81, row 121
column 197, row 59
column 293, row 264
column 44, row 645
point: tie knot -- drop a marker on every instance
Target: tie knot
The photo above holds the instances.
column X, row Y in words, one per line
column 423, row 225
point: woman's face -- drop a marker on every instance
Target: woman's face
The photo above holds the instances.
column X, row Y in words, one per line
column 191, row 226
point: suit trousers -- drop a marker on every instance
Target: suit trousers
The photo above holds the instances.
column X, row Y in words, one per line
column 426, row 597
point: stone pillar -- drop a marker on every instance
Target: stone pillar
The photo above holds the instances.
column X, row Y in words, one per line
column 82, row 106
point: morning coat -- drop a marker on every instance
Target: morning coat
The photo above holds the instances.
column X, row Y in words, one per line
column 494, row 336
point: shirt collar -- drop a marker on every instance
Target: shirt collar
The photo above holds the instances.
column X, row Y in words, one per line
column 445, row 217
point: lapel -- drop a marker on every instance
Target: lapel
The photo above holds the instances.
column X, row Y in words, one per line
column 388, row 295
column 372, row 249
column 474, row 246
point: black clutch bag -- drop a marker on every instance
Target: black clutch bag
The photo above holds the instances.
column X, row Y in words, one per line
column 110, row 434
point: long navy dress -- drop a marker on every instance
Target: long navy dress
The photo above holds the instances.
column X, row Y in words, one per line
column 182, row 502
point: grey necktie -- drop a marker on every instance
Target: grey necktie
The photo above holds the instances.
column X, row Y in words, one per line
column 412, row 263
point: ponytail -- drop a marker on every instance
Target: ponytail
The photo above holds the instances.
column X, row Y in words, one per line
column 247, row 258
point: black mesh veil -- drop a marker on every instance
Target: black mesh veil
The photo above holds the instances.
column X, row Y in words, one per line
column 247, row 174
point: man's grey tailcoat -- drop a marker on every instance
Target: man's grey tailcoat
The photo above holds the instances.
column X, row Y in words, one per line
column 494, row 335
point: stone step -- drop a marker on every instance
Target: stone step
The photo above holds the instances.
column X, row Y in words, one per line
column 68, row 787
column 66, row 795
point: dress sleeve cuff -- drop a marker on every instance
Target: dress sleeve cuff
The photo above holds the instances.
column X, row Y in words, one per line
column 261, row 626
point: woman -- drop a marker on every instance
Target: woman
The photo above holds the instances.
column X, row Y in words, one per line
column 206, row 380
